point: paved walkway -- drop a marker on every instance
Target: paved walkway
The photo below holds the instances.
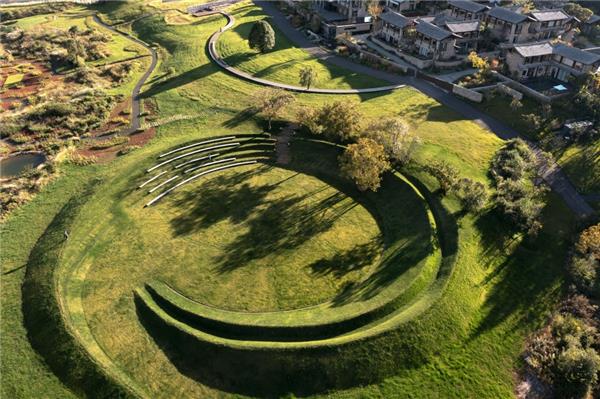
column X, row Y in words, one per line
column 282, row 147
column 555, row 177
column 212, row 51
column 135, row 95
column 454, row 76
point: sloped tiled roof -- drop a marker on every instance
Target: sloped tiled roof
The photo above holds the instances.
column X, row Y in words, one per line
column 462, row 26
column 507, row 15
column 432, row 31
column 549, row 15
column 467, row 5
column 395, row 19
column 534, row 49
column 576, row 54
column 594, row 19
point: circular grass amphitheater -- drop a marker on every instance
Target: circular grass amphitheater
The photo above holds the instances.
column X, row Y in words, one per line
column 250, row 276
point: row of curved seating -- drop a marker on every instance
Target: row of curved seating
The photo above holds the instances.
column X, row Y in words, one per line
column 216, row 154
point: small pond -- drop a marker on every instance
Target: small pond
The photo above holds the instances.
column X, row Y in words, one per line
column 13, row 166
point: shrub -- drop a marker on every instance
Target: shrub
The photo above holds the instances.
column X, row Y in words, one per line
column 577, row 370
column 261, row 37
column 583, row 272
column 112, row 142
column 472, row 194
column 128, row 149
column 446, row 175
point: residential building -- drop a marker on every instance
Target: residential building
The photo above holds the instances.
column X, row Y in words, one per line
column 401, row 5
column 395, row 28
column 467, row 10
column 434, row 42
column 548, row 24
column 467, row 35
column 342, row 16
column 508, row 26
column 592, row 24
column 543, row 59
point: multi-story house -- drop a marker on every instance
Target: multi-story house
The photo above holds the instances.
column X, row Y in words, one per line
column 589, row 26
column 342, row 16
column 467, row 10
column 547, row 24
column 467, row 35
column 395, row 28
column 401, row 5
column 542, row 59
column 508, row 26
column 434, row 42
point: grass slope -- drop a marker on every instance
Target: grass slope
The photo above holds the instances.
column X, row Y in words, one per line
column 284, row 62
column 466, row 346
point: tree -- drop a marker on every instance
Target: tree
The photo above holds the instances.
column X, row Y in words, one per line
column 577, row 11
column 517, row 173
column 308, row 75
column 397, row 140
column 270, row 102
column 478, row 62
column 262, row 37
column 446, row 175
column 589, row 242
column 338, row 121
column 577, row 371
column 364, row 162
column 374, row 9
column 472, row 194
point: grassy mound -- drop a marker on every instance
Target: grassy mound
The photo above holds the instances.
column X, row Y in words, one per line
column 49, row 331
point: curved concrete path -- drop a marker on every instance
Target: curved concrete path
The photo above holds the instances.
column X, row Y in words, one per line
column 212, row 51
column 135, row 95
column 554, row 176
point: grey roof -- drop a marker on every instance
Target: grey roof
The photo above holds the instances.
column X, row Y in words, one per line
column 395, row 19
column 467, row 5
column 535, row 49
column 330, row 16
column 594, row 19
column 461, row 27
column 432, row 31
column 549, row 15
column 575, row 54
column 507, row 15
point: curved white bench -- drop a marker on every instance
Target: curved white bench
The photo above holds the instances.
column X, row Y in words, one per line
column 216, row 154
column 162, row 184
column 236, row 144
column 157, row 198
column 197, row 144
column 204, row 165
column 152, row 179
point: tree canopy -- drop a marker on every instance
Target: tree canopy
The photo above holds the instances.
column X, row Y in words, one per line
column 262, row 37
column 270, row 101
column 395, row 136
column 364, row 162
column 308, row 76
column 338, row 121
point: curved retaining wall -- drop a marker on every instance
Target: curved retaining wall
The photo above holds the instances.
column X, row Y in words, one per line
column 214, row 55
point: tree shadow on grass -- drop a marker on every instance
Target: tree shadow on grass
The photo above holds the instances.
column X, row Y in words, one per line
column 522, row 286
column 179, row 80
column 346, row 262
column 283, row 225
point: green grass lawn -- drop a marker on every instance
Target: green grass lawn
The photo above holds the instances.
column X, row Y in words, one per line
column 284, row 62
column 466, row 345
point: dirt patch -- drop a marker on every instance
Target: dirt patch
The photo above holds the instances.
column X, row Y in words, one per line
column 37, row 79
column 120, row 118
column 106, row 155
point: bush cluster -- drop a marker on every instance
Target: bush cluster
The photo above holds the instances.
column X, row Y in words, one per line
column 516, row 171
column 565, row 353
column 24, row 12
column 62, row 48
